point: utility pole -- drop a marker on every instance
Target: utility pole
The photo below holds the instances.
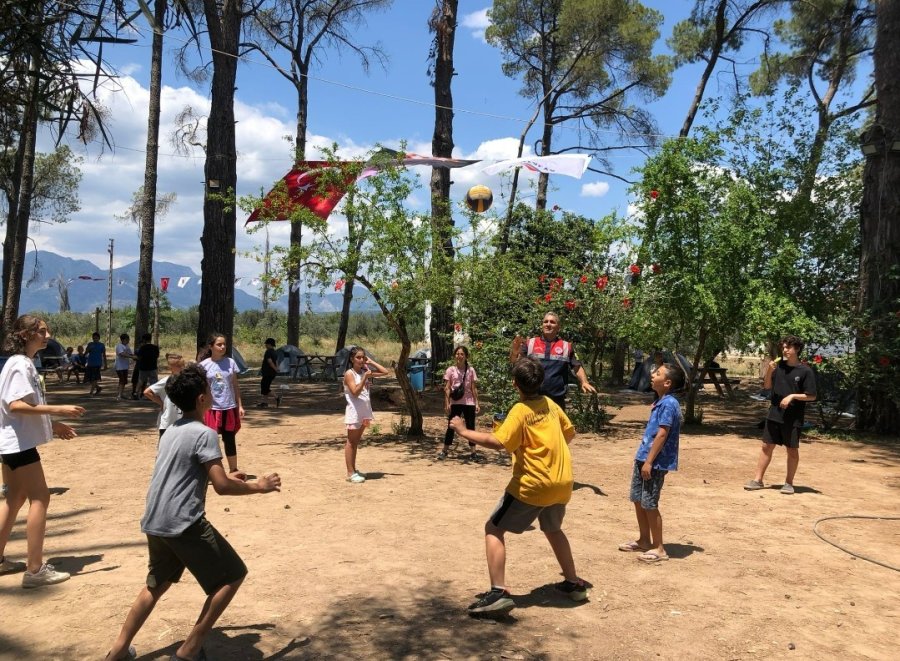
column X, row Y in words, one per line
column 109, row 295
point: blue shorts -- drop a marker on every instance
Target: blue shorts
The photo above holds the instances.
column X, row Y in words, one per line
column 647, row 492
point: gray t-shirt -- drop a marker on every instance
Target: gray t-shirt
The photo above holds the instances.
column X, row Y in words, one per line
column 177, row 494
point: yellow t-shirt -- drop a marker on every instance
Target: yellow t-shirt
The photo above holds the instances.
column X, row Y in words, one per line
column 542, row 466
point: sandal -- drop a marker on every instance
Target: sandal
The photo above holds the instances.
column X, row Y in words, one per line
column 130, row 653
column 632, row 547
column 652, row 556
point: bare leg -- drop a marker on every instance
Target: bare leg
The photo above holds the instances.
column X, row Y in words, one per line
column 232, row 462
column 140, row 610
column 495, row 550
column 28, row 482
column 10, row 506
column 644, row 540
column 215, row 605
column 654, row 518
column 353, row 438
column 563, row 552
column 765, row 457
column 793, row 459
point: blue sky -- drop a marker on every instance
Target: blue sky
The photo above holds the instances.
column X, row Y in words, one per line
column 354, row 109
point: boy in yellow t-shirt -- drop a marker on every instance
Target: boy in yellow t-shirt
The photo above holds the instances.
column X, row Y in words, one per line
column 537, row 434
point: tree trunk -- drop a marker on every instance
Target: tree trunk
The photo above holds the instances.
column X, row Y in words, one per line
column 19, row 219
column 345, row 314
column 409, row 395
column 546, row 145
column 711, row 62
column 879, row 285
column 301, row 84
column 216, row 312
column 690, row 403
column 441, row 330
column 148, row 204
column 617, row 369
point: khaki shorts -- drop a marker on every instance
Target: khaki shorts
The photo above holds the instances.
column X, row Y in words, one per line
column 202, row 550
column 512, row 515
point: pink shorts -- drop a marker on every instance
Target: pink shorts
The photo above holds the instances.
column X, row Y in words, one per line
column 359, row 425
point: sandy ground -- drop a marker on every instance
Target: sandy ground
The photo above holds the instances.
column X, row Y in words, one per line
column 385, row 570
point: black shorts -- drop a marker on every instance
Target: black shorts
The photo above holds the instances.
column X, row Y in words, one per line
column 202, row 550
column 265, row 384
column 91, row 374
column 18, row 459
column 123, row 377
column 777, row 433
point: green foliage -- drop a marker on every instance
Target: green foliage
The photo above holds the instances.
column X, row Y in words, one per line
column 588, row 413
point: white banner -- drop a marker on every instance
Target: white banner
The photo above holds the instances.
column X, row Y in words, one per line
column 571, row 165
column 183, row 280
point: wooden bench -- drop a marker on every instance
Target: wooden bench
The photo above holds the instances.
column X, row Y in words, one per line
column 717, row 376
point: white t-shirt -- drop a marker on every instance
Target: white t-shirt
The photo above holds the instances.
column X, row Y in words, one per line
column 219, row 375
column 170, row 413
column 20, row 380
column 358, row 408
column 122, row 362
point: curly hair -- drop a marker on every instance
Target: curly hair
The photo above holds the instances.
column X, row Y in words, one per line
column 22, row 328
column 184, row 388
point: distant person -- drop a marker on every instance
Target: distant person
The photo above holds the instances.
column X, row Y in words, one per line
column 95, row 360
column 169, row 414
column 77, row 363
column 24, row 424
column 122, row 364
column 179, row 536
column 147, row 357
column 358, row 414
column 792, row 384
column 556, row 356
column 227, row 411
column 656, row 455
column 268, row 372
column 537, row 433
column 460, row 398
column 638, row 355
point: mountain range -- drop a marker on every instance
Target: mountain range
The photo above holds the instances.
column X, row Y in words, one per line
column 87, row 285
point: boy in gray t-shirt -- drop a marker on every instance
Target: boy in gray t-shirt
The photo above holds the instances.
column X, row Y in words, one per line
column 178, row 534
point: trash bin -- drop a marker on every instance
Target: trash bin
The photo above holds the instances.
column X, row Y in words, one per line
column 416, row 374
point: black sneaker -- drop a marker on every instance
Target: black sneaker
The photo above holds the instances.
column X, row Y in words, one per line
column 575, row 590
column 497, row 601
column 441, row 455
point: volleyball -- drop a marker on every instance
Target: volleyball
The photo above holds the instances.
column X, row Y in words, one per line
column 479, row 198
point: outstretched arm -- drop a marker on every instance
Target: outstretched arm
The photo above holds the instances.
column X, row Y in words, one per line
column 484, row 439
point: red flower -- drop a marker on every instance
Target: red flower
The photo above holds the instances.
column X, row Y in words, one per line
column 339, row 285
column 884, row 361
column 656, row 268
column 570, row 305
column 654, row 194
column 542, row 278
column 635, row 268
column 457, row 328
column 558, row 282
column 584, row 279
column 556, row 207
column 601, row 282
column 548, row 298
column 817, row 359
column 626, row 303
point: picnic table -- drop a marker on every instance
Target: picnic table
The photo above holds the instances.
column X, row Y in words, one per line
column 718, row 376
column 314, row 367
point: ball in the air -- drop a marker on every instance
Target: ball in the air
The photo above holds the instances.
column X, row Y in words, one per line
column 479, row 198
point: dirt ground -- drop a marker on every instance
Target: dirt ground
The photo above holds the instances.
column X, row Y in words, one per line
column 385, row 569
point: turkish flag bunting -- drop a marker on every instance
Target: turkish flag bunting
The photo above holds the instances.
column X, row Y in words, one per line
column 303, row 190
column 164, row 284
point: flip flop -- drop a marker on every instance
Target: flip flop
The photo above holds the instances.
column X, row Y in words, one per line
column 652, row 556
column 632, row 547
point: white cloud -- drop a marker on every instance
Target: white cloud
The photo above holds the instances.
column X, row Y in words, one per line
column 477, row 22
column 594, row 189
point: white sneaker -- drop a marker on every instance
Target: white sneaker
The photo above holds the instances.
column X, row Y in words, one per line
column 357, row 478
column 9, row 567
column 46, row 575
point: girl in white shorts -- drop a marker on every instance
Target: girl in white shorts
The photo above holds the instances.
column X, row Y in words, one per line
column 358, row 414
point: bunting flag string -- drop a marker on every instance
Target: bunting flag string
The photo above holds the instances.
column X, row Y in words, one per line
column 571, row 165
column 183, row 280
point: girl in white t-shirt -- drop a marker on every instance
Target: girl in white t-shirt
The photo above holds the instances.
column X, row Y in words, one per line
column 358, row 414
column 227, row 410
column 24, row 424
